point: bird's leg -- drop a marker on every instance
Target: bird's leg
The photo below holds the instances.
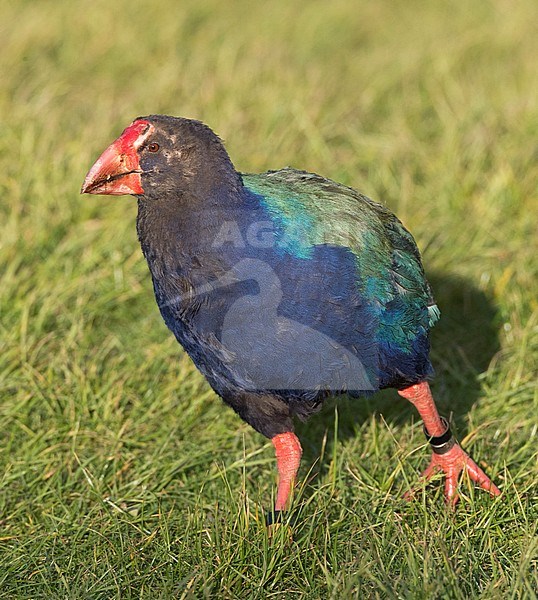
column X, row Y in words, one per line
column 288, row 457
column 448, row 455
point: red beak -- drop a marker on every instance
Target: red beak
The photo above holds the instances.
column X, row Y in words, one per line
column 117, row 171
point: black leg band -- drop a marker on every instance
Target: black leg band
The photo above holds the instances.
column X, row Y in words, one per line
column 274, row 516
column 441, row 444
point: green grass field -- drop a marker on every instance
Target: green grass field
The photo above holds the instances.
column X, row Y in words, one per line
column 123, row 475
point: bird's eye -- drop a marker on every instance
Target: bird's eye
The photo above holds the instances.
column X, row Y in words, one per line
column 154, row 147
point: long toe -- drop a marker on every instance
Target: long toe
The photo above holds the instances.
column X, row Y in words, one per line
column 426, row 475
column 477, row 475
column 452, row 463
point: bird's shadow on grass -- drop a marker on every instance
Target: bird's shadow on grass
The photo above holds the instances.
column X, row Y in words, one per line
column 462, row 345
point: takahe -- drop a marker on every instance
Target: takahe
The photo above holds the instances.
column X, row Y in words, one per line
column 283, row 287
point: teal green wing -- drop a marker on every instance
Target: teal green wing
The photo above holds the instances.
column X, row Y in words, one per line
column 310, row 210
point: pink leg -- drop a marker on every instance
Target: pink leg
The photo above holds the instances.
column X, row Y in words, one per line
column 453, row 460
column 288, row 457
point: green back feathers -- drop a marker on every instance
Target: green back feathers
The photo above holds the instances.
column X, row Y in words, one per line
column 309, row 210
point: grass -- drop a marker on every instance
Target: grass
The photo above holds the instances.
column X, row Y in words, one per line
column 123, row 476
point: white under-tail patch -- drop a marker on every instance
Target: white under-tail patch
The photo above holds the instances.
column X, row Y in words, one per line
column 434, row 314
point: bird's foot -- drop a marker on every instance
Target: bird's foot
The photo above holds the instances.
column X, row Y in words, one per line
column 279, row 525
column 452, row 463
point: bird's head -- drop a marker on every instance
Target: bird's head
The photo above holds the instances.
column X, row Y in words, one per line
column 158, row 155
